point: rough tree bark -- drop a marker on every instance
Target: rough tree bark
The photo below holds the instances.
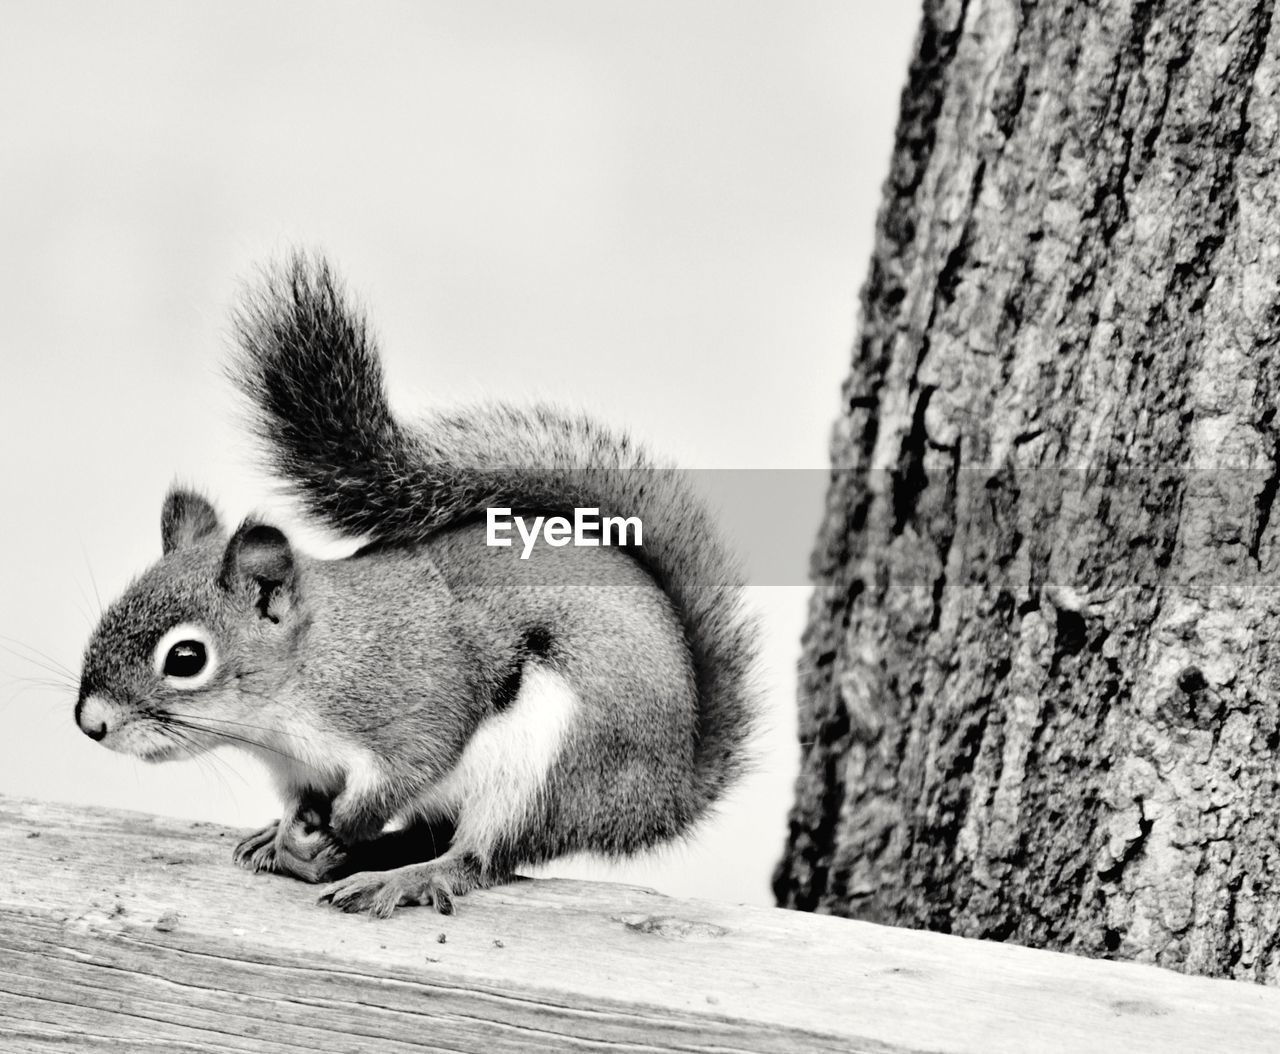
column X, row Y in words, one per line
column 1039, row 687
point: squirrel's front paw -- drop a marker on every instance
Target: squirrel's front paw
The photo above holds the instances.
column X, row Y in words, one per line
column 298, row 847
column 258, row 851
column 381, row 892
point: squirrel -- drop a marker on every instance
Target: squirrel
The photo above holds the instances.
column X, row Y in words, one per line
column 430, row 691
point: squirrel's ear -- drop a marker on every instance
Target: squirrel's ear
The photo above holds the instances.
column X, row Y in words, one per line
column 185, row 519
column 259, row 557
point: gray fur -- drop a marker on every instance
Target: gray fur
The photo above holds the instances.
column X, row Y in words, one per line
column 311, row 372
column 361, row 682
column 185, row 519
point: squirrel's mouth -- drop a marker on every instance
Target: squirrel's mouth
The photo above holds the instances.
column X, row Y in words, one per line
column 161, row 752
column 147, row 743
column 104, row 721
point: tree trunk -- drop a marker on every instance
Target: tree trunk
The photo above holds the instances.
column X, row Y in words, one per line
column 1039, row 687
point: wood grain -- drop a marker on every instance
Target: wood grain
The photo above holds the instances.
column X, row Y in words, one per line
column 126, row 931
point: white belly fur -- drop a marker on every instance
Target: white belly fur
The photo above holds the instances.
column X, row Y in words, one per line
column 504, row 767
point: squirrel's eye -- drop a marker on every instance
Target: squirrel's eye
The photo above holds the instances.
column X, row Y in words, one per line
column 186, row 656
column 185, row 659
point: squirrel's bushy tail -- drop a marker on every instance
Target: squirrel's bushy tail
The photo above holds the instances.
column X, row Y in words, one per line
column 310, row 368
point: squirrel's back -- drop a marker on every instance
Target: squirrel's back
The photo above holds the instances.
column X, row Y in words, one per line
column 311, row 372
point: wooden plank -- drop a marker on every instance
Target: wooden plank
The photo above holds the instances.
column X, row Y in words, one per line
column 124, row 929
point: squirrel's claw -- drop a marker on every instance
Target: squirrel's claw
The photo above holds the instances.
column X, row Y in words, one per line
column 297, row 848
column 436, row 882
column 257, row 852
column 381, row 892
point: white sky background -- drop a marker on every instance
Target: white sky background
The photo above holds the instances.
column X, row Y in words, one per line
column 657, row 211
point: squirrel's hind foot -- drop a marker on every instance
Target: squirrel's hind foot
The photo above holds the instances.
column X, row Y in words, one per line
column 436, row 882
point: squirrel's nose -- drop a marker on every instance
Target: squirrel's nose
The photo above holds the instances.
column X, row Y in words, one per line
column 91, row 716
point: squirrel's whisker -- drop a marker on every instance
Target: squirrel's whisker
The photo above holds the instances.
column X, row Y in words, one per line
column 217, row 766
column 66, row 678
column 218, row 733
column 259, row 728
column 47, row 683
column 93, row 581
column 53, row 663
